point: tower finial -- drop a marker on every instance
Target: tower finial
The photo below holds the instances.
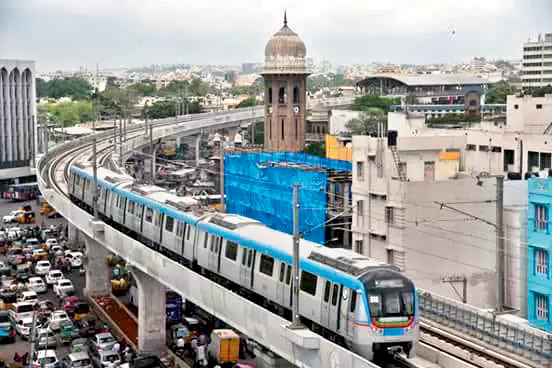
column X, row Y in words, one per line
column 285, row 18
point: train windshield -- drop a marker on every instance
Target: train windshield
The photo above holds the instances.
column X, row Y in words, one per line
column 389, row 294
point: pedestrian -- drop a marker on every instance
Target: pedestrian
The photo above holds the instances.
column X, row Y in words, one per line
column 127, row 354
column 117, row 347
column 201, row 360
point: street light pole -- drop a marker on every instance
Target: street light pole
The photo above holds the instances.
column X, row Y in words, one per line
column 95, row 169
column 500, row 261
column 296, row 320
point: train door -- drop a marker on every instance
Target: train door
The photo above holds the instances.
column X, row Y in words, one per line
column 214, row 251
column 334, row 306
column 349, row 308
column 325, row 305
column 281, row 285
column 246, row 275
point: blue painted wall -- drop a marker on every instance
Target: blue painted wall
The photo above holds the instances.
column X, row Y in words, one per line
column 257, row 190
column 539, row 284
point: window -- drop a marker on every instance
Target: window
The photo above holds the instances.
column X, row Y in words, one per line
column 296, row 129
column 541, row 262
column 149, row 214
column 360, row 212
column 205, row 240
column 269, row 129
column 541, row 307
column 169, row 224
column 249, row 258
column 267, row 265
column 516, row 106
column 353, row 301
column 188, row 228
column 282, row 271
column 334, row 294
column 244, row 256
column 484, row 148
column 545, row 160
column 541, row 217
column 296, row 95
column 158, row 218
column 539, row 106
column 327, row 292
column 288, row 275
column 231, row 250
column 269, row 95
column 282, row 95
column 396, row 258
column 389, row 215
column 283, row 129
column 360, row 170
column 308, row 282
column 359, row 246
column 496, row 149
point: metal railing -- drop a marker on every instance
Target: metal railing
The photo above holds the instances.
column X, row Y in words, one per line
column 524, row 341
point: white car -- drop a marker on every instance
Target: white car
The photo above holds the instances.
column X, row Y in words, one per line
column 37, row 285
column 63, row 287
column 28, row 297
column 12, row 217
column 56, row 319
column 42, row 268
column 51, row 242
column 46, row 357
column 75, row 258
column 23, row 327
column 14, row 233
column 53, row 276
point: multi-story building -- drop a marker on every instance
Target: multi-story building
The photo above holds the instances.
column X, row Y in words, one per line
column 17, row 119
column 539, row 250
column 536, row 69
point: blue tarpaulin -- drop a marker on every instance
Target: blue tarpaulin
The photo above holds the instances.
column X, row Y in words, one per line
column 257, row 189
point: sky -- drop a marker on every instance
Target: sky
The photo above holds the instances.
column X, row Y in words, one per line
column 68, row 34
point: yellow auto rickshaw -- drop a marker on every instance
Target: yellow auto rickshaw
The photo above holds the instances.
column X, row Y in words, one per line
column 81, row 311
column 7, row 298
column 26, row 218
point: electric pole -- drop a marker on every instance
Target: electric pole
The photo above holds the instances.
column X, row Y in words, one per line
column 121, row 121
column 500, row 262
column 296, row 319
column 95, row 169
column 32, row 339
column 152, row 150
column 222, row 199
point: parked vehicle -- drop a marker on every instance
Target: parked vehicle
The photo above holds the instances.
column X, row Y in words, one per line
column 46, row 359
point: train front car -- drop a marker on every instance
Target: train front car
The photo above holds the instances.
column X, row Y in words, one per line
column 392, row 317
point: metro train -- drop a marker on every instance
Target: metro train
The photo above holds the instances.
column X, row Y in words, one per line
column 358, row 302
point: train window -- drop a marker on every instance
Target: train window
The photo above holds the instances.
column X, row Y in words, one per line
column 353, row 301
column 249, row 258
column 149, row 214
column 282, row 271
column 288, row 275
column 158, row 217
column 131, row 207
column 169, row 224
column 231, row 250
column 327, row 292
column 244, row 256
column 334, row 294
column 205, row 240
column 267, row 265
column 212, row 245
column 308, row 282
column 185, row 227
column 189, row 229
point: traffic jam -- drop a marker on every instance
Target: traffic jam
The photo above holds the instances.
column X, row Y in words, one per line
column 41, row 305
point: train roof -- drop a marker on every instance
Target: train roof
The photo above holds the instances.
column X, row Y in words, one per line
column 105, row 174
column 347, row 261
column 173, row 200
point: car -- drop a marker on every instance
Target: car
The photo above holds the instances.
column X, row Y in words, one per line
column 57, row 318
column 77, row 360
column 24, row 326
column 18, row 311
column 63, row 288
column 39, row 254
column 53, row 276
column 22, row 272
column 42, row 268
column 86, row 327
column 8, row 332
column 75, row 258
column 45, row 359
column 55, row 249
column 45, row 308
column 37, row 285
column 46, row 338
column 12, row 217
column 51, row 242
column 102, row 341
column 32, row 243
column 28, row 297
column 14, row 233
column 104, row 358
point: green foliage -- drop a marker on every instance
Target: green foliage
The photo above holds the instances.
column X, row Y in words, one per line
column 76, row 88
column 198, row 87
column 71, row 113
column 456, row 119
column 496, row 94
column 317, row 82
column 144, row 88
column 167, row 108
column 316, row 149
column 248, row 102
column 174, row 88
column 367, row 122
column 540, row 91
column 259, row 133
column 115, row 101
column 365, row 103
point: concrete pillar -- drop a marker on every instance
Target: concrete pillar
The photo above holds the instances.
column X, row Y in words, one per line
column 151, row 313
column 73, row 234
column 97, row 271
column 197, row 152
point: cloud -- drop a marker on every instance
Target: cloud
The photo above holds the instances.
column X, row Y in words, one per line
column 70, row 33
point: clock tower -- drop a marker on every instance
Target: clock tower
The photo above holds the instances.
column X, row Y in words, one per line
column 285, row 80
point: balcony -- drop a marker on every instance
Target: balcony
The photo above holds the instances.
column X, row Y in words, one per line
column 538, row 237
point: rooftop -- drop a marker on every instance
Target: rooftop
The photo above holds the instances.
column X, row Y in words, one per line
column 430, row 79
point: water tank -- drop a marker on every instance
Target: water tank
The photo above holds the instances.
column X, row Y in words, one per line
column 392, row 138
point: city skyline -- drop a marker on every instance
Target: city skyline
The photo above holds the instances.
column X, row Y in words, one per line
column 134, row 33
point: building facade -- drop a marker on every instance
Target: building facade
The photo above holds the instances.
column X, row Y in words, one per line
column 17, row 118
column 536, row 70
column 285, row 75
column 539, row 249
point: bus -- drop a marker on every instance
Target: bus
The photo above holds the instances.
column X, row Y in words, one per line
column 22, row 192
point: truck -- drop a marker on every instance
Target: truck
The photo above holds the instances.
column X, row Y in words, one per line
column 173, row 303
column 224, row 347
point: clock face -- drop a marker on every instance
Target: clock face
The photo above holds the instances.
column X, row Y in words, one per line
column 296, row 109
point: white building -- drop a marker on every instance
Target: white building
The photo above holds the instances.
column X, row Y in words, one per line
column 17, row 119
column 537, row 62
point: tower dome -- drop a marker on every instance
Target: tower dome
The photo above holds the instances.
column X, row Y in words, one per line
column 285, row 53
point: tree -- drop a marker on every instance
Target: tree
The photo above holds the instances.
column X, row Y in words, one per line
column 367, row 123
column 497, row 93
column 316, row 149
column 366, row 103
column 144, row 88
column 115, row 100
column 167, row 108
column 174, row 88
column 198, row 87
column 541, row 91
column 76, row 88
column 248, row 102
column 71, row 113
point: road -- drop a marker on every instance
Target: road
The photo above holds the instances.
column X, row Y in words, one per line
column 21, row 346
